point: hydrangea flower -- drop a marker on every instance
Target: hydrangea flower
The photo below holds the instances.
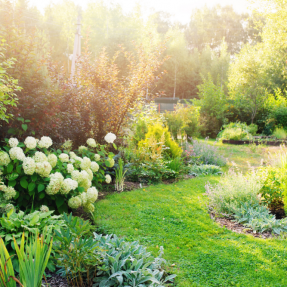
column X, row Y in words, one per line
column 111, row 162
column 89, row 207
column 9, row 192
column 44, row 208
column 86, row 163
column 72, row 155
column 82, row 178
column 91, row 142
column 52, row 159
column 13, row 142
column 30, row 142
column 40, row 157
column 16, row 153
column 67, row 185
column 64, row 157
column 29, row 165
column 56, row 180
column 90, row 173
column 45, row 142
column 83, row 197
column 43, row 168
column 110, row 138
column 70, row 168
column 4, row 158
column 97, row 157
column 108, row 178
column 82, row 148
column 8, row 207
column 92, row 194
column 75, row 202
column 94, row 166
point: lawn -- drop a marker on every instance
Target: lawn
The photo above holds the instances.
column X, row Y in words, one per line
column 197, row 249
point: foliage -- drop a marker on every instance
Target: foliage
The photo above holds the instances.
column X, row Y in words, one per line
column 39, row 176
column 162, row 136
column 120, row 175
column 233, row 190
column 238, row 131
column 184, row 120
column 33, row 258
column 213, row 106
column 77, row 254
column 199, row 170
column 258, row 218
column 280, row 116
column 280, row 133
column 206, row 154
column 129, row 264
column 176, row 216
column 7, row 274
column 8, row 86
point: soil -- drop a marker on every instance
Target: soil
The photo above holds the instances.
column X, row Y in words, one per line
column 55, row 280
column 239, row 228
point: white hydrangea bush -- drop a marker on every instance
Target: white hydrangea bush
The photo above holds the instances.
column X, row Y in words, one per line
column 36, row 175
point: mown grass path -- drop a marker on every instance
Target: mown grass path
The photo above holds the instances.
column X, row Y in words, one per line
column 204, row 254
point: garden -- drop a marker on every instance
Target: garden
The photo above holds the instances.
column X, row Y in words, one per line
column 99, row 188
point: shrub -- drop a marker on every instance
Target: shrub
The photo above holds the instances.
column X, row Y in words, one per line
column 198, row 170
column 238, row 131
column 233, row 190
column 280, row 133
column 40, row 176
column 259, row 219
column 129, row 264
column 162, row 136
column 280, row 115
column 184, row 120
column 205, row 153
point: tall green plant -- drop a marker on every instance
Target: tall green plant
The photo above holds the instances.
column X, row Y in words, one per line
column 33, row 258
column 120, row 175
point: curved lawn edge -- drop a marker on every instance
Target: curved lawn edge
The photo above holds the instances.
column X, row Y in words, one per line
column 196, row 248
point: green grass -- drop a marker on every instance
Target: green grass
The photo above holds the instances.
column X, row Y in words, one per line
column 204, row 254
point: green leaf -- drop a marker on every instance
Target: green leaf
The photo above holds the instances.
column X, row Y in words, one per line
column 13, row 176
column 115, row 146
column 34, row 177
column 34, row 220
column 81, row 189
column 41, row 187
column 59, row 151
column 27, row 121
column 42, row 195
column 24, row 182
column 11, row 182
column 24, row 127
column 60, row 201
column 31, row 186
column 9, row 168
column 63, row 208
column 19, row 169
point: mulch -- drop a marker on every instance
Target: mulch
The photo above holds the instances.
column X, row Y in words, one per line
column 239, row 228
column 55, row 280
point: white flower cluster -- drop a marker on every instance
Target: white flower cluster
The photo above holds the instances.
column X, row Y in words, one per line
column 86, row 163
column 43, row 168
column 55, row 184
column 16, row 153
column 52, row 159
column 70, row 168
column 4, row 158
column 111, row 162
column 9, row 192
column 45, row 142
column 85, row 199
column 91, row 142
column 110, row 138
column 40, row 157
column 82, row 148
column 44, row 208
column 94, row 166
column 13, row 142
column 29, row 165
column 108, row 178
column 8, row 207
column 82, row 178
column 97, row 157
column 30, row 142
column 64, row 157
column 67, row 185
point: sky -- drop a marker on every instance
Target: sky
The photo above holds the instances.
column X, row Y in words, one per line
column 179, row 9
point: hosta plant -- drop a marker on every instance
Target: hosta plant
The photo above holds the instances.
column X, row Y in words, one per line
column 34, row 174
